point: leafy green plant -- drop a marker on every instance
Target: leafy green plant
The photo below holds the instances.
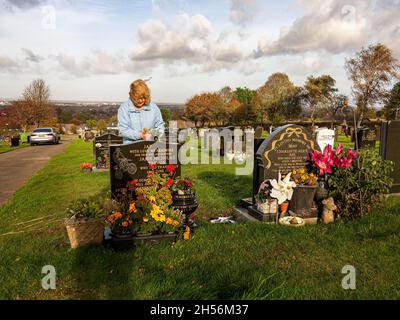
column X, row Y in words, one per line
column 361, row 188
column 90, row 208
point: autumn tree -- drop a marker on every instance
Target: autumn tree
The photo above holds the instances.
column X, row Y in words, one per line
column 204, row 108
column 230, row 106
column 392, row 106
column 372, row 71
column 166, row 115
column 278, row 97
column 91, row 123
column 102, row 125
column 35, row 108
column 336, row 105
column 319, row 93
column 246, row 111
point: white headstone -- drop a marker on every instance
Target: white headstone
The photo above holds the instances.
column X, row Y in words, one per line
column 325, row 137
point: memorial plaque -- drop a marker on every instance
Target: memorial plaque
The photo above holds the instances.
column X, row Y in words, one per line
column 367, row 138
column 101, row 150
column 390, row 140
column 130, row 162
column 325, row 137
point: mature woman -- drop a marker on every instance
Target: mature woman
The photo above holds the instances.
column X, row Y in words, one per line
column 138, row 116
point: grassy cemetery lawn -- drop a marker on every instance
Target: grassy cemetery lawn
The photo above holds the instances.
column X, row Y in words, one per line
column 242, row 261
column 6, row 147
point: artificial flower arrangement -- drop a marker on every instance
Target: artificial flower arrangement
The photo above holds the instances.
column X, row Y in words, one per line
column 151, row 211
column 274, row 192
column 183, row 186
column 86, row 166
column 302, row 177
column 282, row 190
column 329, row 160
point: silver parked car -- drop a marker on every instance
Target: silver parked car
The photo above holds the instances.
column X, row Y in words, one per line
column 44, row 135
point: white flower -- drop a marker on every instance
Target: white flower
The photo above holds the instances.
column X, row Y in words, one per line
column 282, row 190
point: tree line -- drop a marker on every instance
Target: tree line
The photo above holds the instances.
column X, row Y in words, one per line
column 373, row 71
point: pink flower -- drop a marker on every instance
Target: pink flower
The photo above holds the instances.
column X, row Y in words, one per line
column 339, row 150
column 351, row 154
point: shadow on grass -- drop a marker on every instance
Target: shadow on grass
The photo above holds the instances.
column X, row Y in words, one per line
column 102, row 273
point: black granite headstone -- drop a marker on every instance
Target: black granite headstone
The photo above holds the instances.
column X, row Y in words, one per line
column 130, row 162
column 366, row 138
column 286, row 149
column 101, row 150
column 390, row 141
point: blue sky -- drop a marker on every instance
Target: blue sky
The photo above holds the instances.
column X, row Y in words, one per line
column 92, row 50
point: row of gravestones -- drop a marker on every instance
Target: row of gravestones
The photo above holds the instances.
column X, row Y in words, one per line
column 286, row 149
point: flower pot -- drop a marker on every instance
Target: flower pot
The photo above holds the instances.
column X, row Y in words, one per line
column 284, row 207
column 322, row 192
column 302, row 200
column 122, row 242
column 268, row 207
column 186, row 203
column 84, row 232
column 155, row 239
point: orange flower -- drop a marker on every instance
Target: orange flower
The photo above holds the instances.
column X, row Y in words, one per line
column 117, row 215
column 172, row 222
column 125, row 224
column 186, row 235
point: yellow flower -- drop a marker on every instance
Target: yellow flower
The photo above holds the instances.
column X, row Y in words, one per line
column 145, row 219
column 152, row 198
column 302, row 171
column 294, row 172
column 162, row 218
column 156, row 212
column 132, row 208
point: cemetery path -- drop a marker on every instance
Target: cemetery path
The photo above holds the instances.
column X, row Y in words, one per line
column 18, row 166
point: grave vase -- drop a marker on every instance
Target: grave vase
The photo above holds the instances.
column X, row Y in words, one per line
column 302, row 200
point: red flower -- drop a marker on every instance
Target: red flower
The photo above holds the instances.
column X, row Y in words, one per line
column 152, row 166
column 133, row 182
column 149, row 173
column 168, row 183
column 170, row 168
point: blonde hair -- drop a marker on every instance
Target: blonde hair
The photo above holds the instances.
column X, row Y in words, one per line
column 139, row 89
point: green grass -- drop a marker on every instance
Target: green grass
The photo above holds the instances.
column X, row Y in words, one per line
column 249, row 260
column 6, row 147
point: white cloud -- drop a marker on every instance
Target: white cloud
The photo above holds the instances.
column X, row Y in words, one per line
column 7, row 64
column 337, row 26
column 99, row 62
column 242, row 12
column 191, row 41
column 31, row 56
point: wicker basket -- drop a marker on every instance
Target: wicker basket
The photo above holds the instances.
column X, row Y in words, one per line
column 84, row 232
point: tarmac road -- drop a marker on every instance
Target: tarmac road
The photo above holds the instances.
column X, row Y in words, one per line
column 16, row 167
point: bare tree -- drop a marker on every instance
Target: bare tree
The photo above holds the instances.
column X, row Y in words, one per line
column 372, row 71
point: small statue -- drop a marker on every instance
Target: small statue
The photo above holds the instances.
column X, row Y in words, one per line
column 328, row 215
